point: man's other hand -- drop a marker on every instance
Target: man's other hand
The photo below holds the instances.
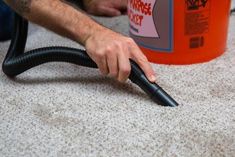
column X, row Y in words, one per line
column 105, row 7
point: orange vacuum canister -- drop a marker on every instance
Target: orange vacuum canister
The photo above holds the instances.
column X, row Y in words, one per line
column 179, row 31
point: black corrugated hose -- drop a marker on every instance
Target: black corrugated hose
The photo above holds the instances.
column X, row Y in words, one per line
column 17, row 61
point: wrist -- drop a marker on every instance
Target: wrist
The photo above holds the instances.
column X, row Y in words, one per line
column 86, row 30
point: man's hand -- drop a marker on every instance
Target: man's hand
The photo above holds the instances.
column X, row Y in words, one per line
column 111, row 52
column 105, row 7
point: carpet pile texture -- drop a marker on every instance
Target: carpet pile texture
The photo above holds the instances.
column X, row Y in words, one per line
column 59, row 109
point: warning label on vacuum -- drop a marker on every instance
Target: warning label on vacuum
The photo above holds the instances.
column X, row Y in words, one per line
column 148, row 26
column 197, row 16
column 197, row 21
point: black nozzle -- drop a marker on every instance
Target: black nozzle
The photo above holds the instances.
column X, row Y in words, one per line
column 17, row 61
column 156, row 93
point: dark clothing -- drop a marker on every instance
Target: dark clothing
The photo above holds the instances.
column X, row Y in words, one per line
column 5, row 21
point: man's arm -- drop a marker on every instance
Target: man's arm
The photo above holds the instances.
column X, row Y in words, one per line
column 110, row 50
column 56, row 16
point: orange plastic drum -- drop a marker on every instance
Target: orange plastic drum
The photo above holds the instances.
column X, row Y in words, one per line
column 180, row 31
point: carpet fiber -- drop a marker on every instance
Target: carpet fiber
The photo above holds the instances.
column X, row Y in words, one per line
column 59, row 109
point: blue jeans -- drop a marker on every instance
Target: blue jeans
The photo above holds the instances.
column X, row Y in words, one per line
column 6, row 17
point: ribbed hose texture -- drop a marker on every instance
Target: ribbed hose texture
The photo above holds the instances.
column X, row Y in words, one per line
column 17, row 61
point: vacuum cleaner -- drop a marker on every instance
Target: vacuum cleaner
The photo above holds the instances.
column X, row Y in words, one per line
column 180, row 32
column 17, row 61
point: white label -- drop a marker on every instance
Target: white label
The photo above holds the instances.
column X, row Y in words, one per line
column 141, row 18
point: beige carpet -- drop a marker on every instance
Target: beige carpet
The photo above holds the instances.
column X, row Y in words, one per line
column 60, row 109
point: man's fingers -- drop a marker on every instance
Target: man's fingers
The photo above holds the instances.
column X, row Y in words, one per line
column 103, row 66
column 146, row 67
column 112, row 65
column 144, row 64
column 108, row 11
column 124, row 67
column 120, row 5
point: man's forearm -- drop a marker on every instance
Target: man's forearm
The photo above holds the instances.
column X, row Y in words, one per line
column 56, row 16
column 20, row 6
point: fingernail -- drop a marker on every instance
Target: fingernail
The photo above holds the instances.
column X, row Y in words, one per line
column 153, row 78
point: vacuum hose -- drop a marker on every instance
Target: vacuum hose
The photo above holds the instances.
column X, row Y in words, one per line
column 17, row 61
